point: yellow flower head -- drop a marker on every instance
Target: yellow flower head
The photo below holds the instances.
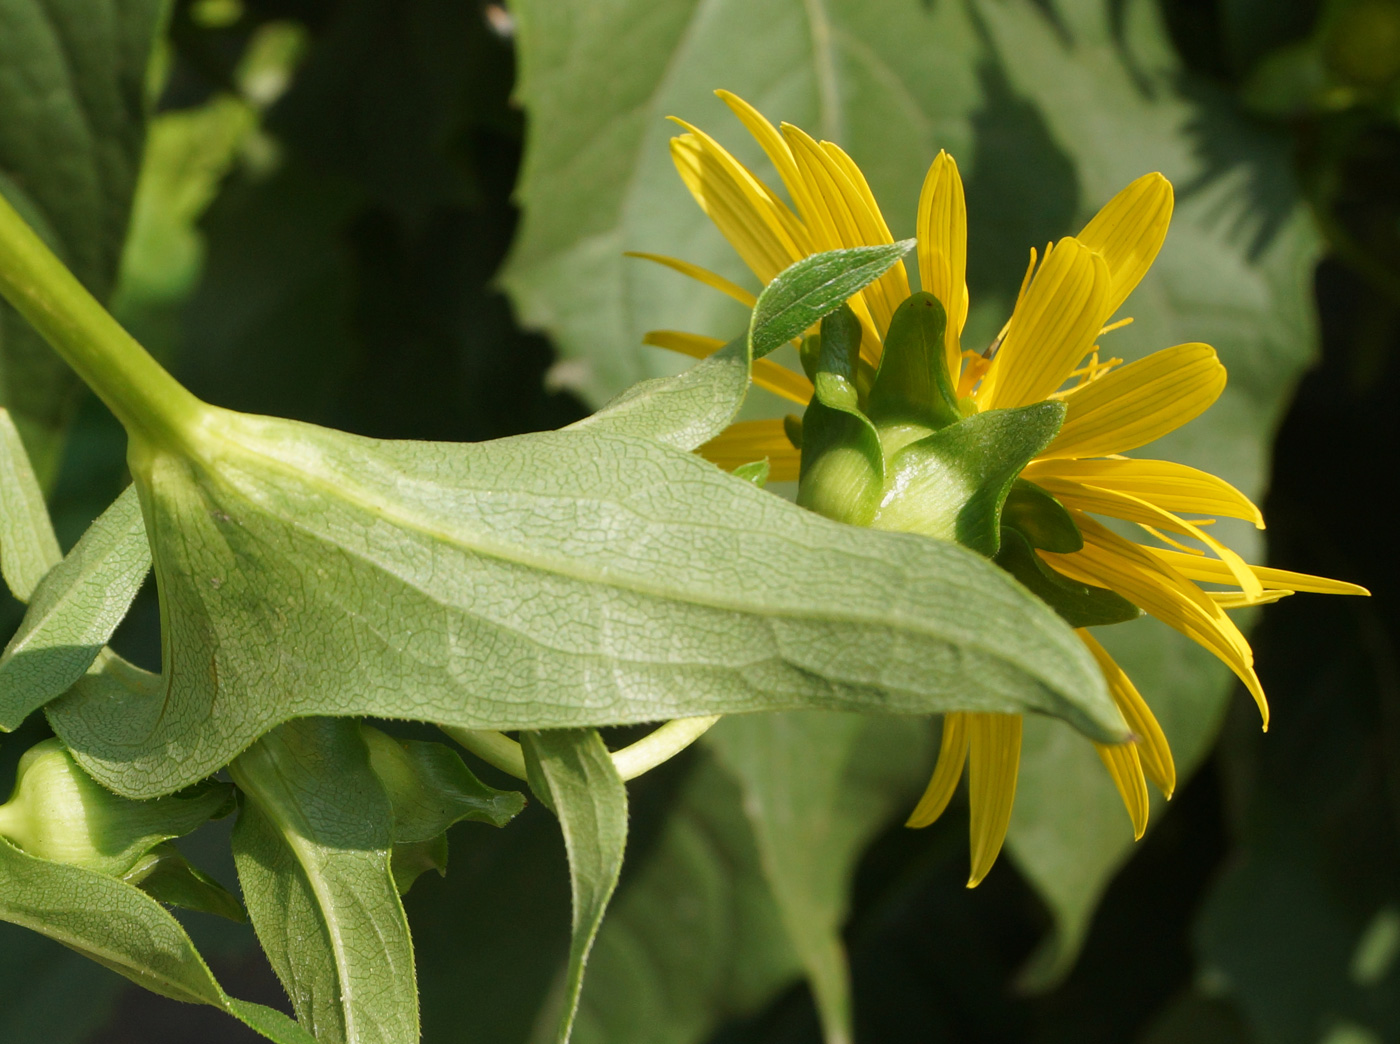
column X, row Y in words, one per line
column 1046, row 351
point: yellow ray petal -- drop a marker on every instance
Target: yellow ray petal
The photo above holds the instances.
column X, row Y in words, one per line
column 942, row 235
column 994, row 757
column 843, row 215
column 1099, row 501
column 767, row 374
column 1154, row 752
column 1052, row 328
column 1210, row 571
column 1108, row 560
column 757, row 224
column 1139, row 402
column 773, row 146
column 1240, row 600
column 1123, row 766
column 704, row 275
column 1163, row 483
column 746, row 441
column 1128, row 232
column 952, row 753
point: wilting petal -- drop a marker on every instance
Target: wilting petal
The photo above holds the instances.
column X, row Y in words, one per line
column 1152, row 747
column 1128, row 232
column 942, row 234
column 1052, row 328
column 1163, row 483
column 1139, row 402
column 952, row 753
column 767, row 374
column 994, row 757
column 747, row 441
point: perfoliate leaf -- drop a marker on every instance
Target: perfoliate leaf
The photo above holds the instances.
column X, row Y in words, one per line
column 74, row 102
column 28, row 546
column 535, row 582
column 575, row 776
column 74, row 611
column 952, row 484
column 312, row 847
column 122, row 928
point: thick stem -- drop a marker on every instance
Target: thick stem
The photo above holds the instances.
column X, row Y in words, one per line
column 151, row 404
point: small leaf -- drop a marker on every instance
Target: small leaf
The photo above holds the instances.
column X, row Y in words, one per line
column 168, row 877
column 312, row 848
column 952, row 484
column 74, row 611
column 122, row 928
column 28, row 546
column 580, row 783
column 803, row 293
column 1079, row 605
column 531, row 583
column 1041, row 519
column 913, row 394
column 755, row 471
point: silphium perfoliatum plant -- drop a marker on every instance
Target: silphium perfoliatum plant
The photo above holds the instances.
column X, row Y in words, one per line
column 547, row 584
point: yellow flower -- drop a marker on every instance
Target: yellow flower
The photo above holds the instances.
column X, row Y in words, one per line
column 1047, row 350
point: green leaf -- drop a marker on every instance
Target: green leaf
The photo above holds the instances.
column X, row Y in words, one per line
column 672, row 972
column 74, row 100
column 1040, row 519
column 28, row 546
column 574, row 775
column 843, row 466
column 166, row 875
column 535, row 583
column 913, row 394
column 120, row 927
column 1079, row 605
column 1050, row 107
column 74, row 611
column 952, row 484
column 817, row 788
column 312, row 848
column 808, row 290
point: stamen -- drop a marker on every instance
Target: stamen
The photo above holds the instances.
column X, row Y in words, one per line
column 1116, row 326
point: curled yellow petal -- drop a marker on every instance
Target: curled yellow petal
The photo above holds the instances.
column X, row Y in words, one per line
column 1139, row 402
column 747, row 441
column 1123, row 766
column 767, row 374
column 703, row 275
column 952, row 753
column 1052, row 328
column 1162, row 483
column 942, row 237
column 994, row 761
column 1154, row 752
column 1128, row 232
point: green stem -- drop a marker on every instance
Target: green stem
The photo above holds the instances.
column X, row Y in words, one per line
column 150, row 403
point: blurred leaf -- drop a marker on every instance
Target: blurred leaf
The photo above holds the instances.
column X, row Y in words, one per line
column 572, row 772
column 74, row 99
column 1051, row 107
column 28, row 546
column 74, row 611
column 444, row 563
column 124, row 929
column 312, row 846
column 817, row 788
column 694, row 937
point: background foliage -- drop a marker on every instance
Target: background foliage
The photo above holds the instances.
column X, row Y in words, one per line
column 327, row 194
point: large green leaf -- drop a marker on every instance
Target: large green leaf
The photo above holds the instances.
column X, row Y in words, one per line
column 817, row 788
column 28, row 546
column 538, row 582
column 694, row 936
column 572, row 772
column 119, row 926
column 73, row 91
column 1050, row 108
column 74, row 611
column 312, row 844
